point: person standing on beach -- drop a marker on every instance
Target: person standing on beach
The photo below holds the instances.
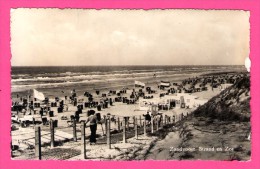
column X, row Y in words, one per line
column 148, row 118
column 92, row 119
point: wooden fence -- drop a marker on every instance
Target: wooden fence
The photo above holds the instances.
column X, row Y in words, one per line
column 138, row 122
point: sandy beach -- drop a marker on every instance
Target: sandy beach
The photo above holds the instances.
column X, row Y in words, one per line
column 141, row 149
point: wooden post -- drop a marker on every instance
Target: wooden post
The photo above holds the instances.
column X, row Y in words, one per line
column 140, row 118
column 165, row 119
column 169, row 119
column 173, row 119
column 105, row 118
column 127, row 123
column 52, row 133
column 152, row 121
column 144, row 127
column 157, row 124
column 38, row 152
column 74, row 130
column 160, row 121
column 136, row 128
column 133, row 122
column 11, row 150
column 124, row 130
column 83, row 139
column 118, row 124
column 108, row 133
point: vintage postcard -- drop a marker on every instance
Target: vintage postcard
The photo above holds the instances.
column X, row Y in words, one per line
column 130, row 84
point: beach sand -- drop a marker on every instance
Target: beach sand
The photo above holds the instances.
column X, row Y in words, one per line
column 119, row 151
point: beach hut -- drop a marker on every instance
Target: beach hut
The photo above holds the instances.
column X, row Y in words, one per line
column 18, row 107
column 181, row 100
column 224, row 86
column 154, row 109
column 148, row 89
column 177, row 100
column 147, row 104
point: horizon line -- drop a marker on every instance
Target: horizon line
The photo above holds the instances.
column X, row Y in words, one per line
column 118, row 65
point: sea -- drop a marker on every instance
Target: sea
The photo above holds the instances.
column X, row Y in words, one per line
column 55, row 79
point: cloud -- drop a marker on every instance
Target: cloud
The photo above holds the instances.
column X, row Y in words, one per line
column 128, row 37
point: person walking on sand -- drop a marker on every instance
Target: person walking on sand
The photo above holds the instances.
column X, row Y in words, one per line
column 92, row 119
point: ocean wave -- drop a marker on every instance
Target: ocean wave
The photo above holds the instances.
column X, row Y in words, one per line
column 76, row 77
column 93, row 82
column 46, row 78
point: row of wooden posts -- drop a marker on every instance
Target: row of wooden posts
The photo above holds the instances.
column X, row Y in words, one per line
column 38, row 145
column 125, row 127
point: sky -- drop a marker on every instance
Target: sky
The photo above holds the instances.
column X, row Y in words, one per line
column 70, row 37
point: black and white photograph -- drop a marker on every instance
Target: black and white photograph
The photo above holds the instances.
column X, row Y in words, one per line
column 126, row 85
